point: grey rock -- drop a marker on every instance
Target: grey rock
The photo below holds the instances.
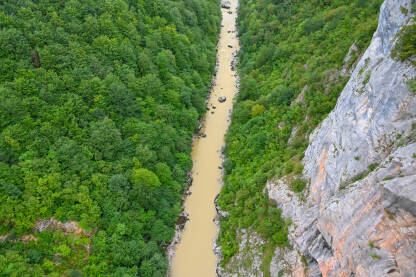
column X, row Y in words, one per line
column 226, row 5
column 293, row 134
column 222, row 99
column 301, row 97
column 358, row 218
column 248, row 260
column 351, row 52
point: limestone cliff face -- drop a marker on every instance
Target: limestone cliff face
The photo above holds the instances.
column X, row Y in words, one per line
column 358, row 218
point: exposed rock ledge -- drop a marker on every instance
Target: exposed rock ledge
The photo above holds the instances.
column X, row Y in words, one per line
column 69, row 227
column 358, row 218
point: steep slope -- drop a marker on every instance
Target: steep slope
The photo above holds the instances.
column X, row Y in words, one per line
column 359, row 214
column 348, row 201
column 292, row 70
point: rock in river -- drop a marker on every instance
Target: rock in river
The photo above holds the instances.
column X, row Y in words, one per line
column 222, row 99
column 226, row 5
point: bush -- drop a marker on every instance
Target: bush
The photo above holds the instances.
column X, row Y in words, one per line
column 257, row 110
column 75, row 273
column 289, row 167
column 298, row 185
column 298, row 168
column 406, row 45
column 313, row 24
column 412, row 85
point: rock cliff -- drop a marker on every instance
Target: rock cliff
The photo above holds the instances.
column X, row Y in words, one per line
column 358, row 215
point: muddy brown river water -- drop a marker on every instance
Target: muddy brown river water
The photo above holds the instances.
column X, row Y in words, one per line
column 194, row 256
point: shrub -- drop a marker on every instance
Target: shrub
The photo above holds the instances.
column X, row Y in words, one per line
column 289, row 167
column 298, row 185
column 374, row 256
column 257, row 110
column 412, row 85
column 373, row 166
column 313, row 24
column 406, row 44
column 298, row 168
column 404, row 10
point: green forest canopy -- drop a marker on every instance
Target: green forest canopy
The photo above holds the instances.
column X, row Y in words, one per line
column 98, row 103
column 287, row 47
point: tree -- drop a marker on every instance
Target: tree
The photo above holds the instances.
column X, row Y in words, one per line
column 257, row 110
column 105, row 139
column 144, row 189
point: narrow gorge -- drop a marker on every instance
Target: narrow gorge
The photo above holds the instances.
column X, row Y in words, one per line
column 203, row 138
column 194, row 255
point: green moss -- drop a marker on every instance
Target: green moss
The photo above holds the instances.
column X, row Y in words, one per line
column 373, row 166
column 298, row 168
column 390, row 215
column 268, row 253
column 404, row 10
column 371, row 244
column 374, row 256
column 362, row 69
column 367, row 77
column 364, row 174
column 405, row 48
column 360, row 176
column 304, row 261
column 412, row 85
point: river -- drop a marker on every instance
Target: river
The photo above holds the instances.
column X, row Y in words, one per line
column 194, row 256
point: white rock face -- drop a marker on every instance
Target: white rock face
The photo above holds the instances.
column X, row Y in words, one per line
column 359, row 214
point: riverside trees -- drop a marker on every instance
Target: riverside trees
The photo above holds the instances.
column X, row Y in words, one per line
column 288, row 48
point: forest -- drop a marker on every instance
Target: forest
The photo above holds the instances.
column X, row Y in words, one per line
column 98, row 104
column 292, row 70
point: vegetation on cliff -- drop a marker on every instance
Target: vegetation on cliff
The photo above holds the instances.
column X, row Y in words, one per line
column 98, row 103
column 405, row 48
column 290, row 50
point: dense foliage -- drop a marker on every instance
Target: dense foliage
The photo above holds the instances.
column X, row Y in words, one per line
column 288, row 47
column 98, row 103
column 405, row 48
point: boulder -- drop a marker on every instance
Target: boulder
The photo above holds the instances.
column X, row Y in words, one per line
column 226, row 5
